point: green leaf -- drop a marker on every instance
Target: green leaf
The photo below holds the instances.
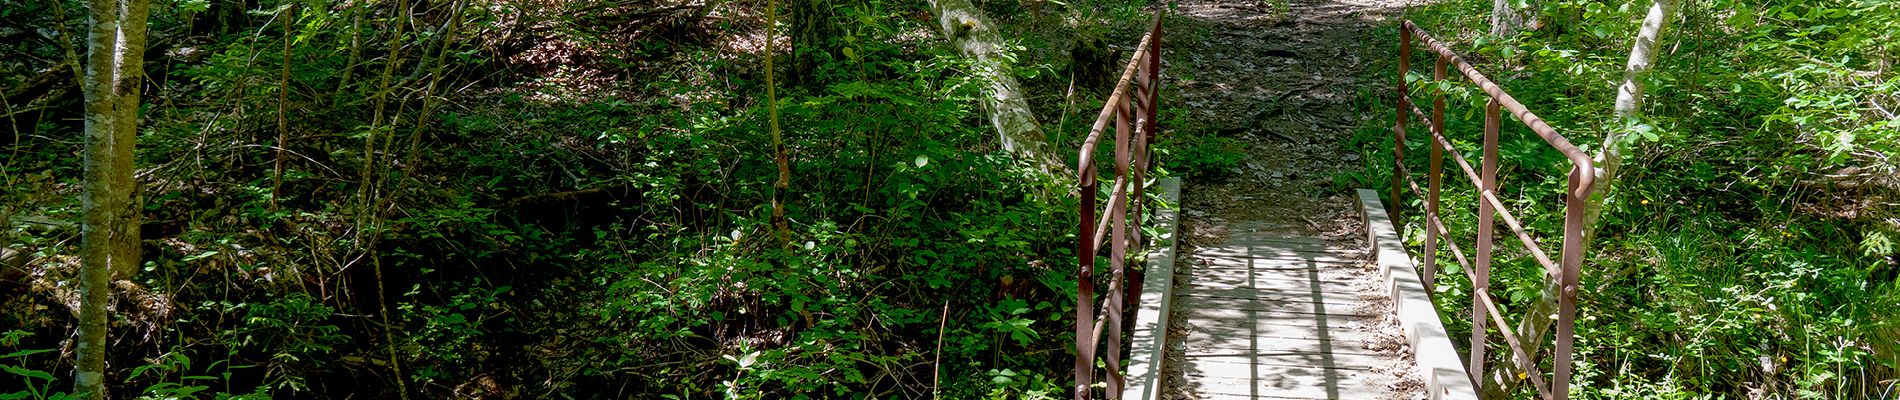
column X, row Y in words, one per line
column 747, row 360
column 200, row 256
column 26, row 372
column 1876, row 244
column 23, row 353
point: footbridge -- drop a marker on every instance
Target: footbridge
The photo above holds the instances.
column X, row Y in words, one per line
column 1274, row 311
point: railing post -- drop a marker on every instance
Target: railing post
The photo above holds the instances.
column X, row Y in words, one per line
column 1398, row 138
column 1085, row 288
column 1154, row 88
column 1154, row 84
column 1134, row 110
column 1489, row 176
column 1437, row 169
column 1572, row 266
column 1147, row 110
column 1490, row 207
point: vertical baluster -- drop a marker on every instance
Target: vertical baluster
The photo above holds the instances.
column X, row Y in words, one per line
column 1489, row 179
column 1398, row 131
column 1154, row 84
column 1138, row 157
column 1152, row 68
column 1118, row 248
column 1147, row 69
column 1138, row 151
column 1437, row 170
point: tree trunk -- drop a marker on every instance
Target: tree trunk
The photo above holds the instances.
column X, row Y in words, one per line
column 964, row 26
column 1629, row 98
column 814, row 24
column 356, row 52
column 437, row 72
column 369, row 217
column 1629, row 101
column 1506, row 19
column 283, row 100
column 784, row 182
column 109, row 242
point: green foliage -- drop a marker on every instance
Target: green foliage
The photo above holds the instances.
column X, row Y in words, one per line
column 1732, row 260
column 293, row 332
column 934, row 221
column 584, row 210
column 1201, row 156
column 38, row 384
column 169, row 371
column 1012, row 385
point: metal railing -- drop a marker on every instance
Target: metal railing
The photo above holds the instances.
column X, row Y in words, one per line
column 1489, row 208
column 1131, row 105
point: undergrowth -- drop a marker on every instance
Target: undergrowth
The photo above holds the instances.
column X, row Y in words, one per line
column 1744, row 252
column 585, row 214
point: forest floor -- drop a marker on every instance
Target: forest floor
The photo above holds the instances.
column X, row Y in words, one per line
column 1282, row 77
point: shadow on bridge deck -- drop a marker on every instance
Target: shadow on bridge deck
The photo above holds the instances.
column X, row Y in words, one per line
column 1280, row 317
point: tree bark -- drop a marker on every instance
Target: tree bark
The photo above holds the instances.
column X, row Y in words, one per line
column 356, row 51
column 813, row 26
column 965, row 27
column 109, row 242
column 1629, row 99
column 1506, row 19
column 784, row 182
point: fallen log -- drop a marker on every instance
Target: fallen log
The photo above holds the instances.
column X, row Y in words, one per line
column 965, row 27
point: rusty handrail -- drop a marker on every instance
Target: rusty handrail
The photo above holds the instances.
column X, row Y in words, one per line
column 1489, row 207
column 1133, row 100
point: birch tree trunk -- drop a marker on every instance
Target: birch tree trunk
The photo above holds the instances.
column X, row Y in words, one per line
column 109, row 242
column 1629, row 99
column 964, row 26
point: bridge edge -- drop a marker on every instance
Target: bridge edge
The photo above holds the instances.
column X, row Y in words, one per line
column 1149, row 339
column 1438, row 361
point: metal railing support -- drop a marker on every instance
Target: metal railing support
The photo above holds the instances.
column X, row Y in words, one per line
column 1132, row 108
column 1490, row 208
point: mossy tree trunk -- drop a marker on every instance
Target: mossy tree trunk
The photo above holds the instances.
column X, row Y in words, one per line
column 109, row 241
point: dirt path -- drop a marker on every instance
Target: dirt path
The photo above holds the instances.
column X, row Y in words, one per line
column 1281, row 76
